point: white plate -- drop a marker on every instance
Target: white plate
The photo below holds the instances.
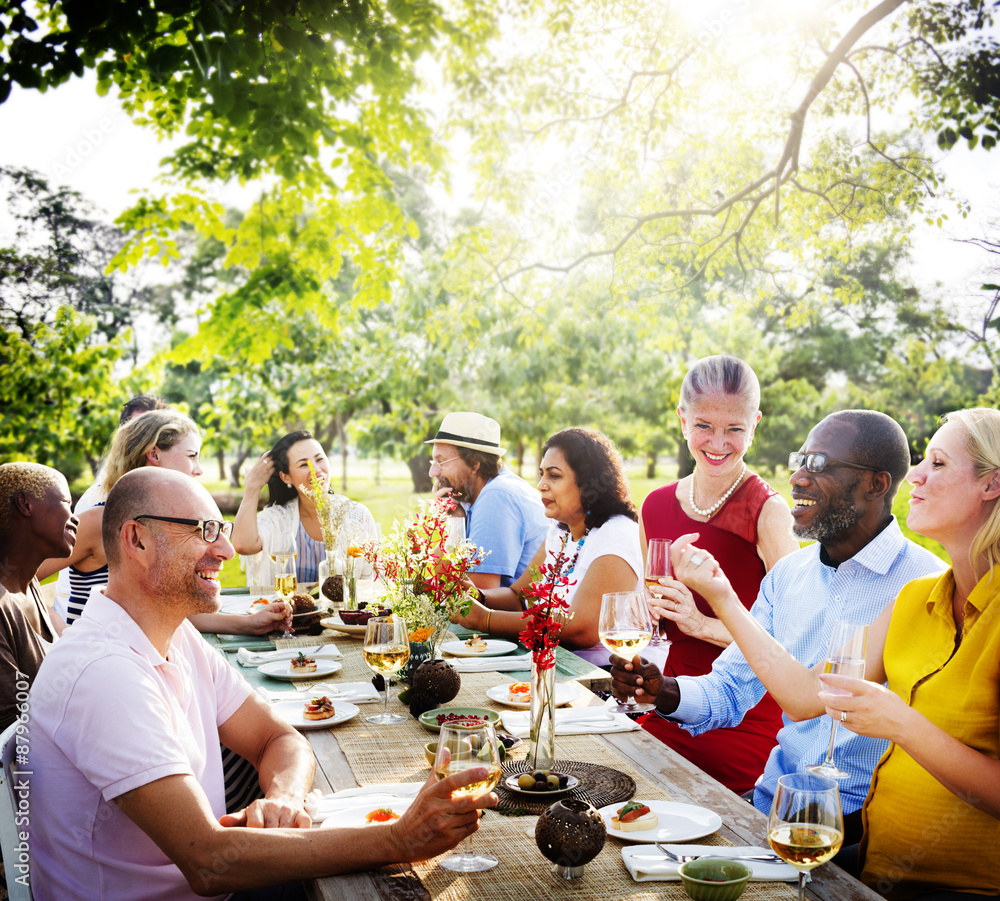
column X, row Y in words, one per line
column 282, row 669
column 335, row 622
column 292, row 712
column 355, row 814
column 510, row 783
column 494, row 648
column 676, row 822
column 565, row 692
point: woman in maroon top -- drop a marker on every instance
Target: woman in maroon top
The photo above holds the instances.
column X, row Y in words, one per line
column 747, row 526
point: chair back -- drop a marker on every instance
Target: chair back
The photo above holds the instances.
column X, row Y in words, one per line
column 10, row 843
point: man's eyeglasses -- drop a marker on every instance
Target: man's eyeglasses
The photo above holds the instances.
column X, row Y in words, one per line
column 817, row 462
column 211, row 529
column 440, row 463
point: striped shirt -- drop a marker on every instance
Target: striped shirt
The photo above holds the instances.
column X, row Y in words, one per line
column 800, row 600
column 80, row 584
column 311, row 552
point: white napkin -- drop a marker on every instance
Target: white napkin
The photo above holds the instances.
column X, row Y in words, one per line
column 573, row 721
column 647, row 864
column 320, row 807
column 355, row 692
column 256, row 658
column 518, row 663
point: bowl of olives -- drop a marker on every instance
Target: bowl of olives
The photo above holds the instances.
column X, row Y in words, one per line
column 541, row 782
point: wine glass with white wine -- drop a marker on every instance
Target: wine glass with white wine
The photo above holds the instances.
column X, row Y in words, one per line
column 386, row 651
column 625, row 629
column 463, row 745
column 846, row 657
column 806, row 825
column 286, row 582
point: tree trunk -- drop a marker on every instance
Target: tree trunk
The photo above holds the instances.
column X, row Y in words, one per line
column 342, row 438
column 234, row 470
column 520, row 458
column 420, row 473
column 685, row 462
column 220, row 455
column 651, row 464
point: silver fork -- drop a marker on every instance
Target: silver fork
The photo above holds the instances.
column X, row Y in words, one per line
column 684, row 858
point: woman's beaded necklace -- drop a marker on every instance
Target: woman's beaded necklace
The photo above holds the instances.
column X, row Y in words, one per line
column 569, row 565
column 720, row 501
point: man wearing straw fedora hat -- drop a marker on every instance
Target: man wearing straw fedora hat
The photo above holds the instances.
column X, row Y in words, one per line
column 504, row 514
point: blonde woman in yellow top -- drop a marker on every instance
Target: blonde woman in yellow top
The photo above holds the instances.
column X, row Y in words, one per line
column 932, row 816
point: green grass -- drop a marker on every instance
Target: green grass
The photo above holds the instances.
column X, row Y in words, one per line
column 388, row 492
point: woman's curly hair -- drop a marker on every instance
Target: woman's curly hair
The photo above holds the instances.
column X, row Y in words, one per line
column 599, row 472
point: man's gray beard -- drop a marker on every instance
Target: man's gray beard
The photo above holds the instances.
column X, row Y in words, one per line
column 841, row 515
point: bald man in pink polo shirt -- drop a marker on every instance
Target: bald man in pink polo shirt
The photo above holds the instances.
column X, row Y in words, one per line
column 127, row 712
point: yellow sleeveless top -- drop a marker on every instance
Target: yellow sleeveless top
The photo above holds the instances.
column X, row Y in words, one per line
column 919, row 837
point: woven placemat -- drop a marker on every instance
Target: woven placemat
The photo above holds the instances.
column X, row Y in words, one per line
column 599, row 785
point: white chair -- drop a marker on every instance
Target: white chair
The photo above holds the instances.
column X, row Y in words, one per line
column 9, row 829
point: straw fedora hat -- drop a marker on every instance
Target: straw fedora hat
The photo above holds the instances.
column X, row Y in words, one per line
column 470, row 430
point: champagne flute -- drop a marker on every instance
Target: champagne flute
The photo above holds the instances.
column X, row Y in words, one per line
column 657, row 567
column 386, row 651
column 285, row 580
column 845, row 657
column 806, row 825
column 461, row 746
column 625, row 629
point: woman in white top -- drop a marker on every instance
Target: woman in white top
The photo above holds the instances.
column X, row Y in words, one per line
column 291, row 510
column 586, row 495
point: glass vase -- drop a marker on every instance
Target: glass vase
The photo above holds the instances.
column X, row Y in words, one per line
column 351, row 583
column 542, row 753
column 331, row 583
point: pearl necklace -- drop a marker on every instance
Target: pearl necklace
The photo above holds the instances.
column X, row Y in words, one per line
column 720, row 501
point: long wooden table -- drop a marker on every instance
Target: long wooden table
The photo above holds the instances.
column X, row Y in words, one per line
column 355, row 753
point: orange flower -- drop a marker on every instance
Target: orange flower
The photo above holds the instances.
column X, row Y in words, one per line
column 354, row 551
column 421, row 634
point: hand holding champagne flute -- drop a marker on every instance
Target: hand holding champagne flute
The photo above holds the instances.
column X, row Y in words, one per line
column 846, row 657
column 463, row 746
column 285, row 580
column 625, row 629
column 806, row 825
column 386, row 651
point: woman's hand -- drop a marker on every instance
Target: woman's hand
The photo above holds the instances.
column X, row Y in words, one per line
column 699, row 570
column 258, row 474
column 275, row 617
column 870, row 709
column 673, row 601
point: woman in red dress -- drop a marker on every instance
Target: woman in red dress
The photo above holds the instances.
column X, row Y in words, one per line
column 747, row 527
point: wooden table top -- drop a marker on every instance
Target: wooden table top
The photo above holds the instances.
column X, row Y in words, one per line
column 654, row 763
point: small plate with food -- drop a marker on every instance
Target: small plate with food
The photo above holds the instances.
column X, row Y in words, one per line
column 477, row 646
column 363, row 815
column 541, row 784
column 315, row 712
column 659, row 821
column 301, row 667
column 434, row 719
column 518, row 694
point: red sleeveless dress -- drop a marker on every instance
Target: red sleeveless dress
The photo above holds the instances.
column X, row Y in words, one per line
column 735, row 756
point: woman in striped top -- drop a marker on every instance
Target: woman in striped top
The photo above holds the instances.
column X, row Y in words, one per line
column 160, row 438
column 286, row 472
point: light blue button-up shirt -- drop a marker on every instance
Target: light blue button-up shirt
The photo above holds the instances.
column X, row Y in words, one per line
column 800, row 600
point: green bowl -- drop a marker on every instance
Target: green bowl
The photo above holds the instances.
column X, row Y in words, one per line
column 714, row 879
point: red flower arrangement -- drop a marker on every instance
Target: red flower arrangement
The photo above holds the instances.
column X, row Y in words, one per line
column 550, row 611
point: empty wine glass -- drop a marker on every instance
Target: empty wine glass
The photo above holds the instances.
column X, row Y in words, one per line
column 657, row 567
column 845, row 657
column 461, row 746
column 806, row 825
column 386, row 651
column 625, row 629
